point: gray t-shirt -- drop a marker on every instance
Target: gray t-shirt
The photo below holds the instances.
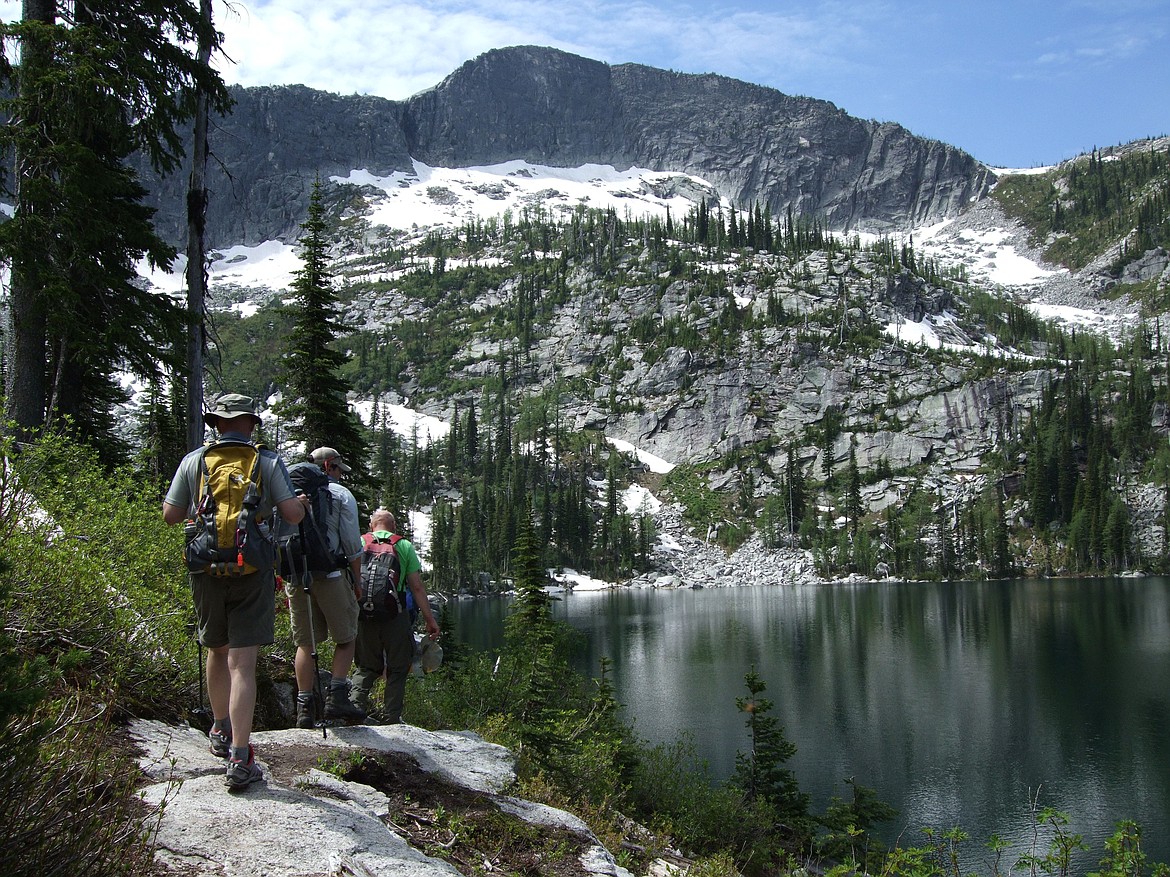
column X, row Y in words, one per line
column 346, row 537
column 274, row 484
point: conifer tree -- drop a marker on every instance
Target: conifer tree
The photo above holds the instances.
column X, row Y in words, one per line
column 530, row 635
column 853, row 490
column 315, row 402
column 97, row 83
column 761, row 772
column 795, row 495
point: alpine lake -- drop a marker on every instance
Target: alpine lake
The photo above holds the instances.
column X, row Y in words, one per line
column 962, row 704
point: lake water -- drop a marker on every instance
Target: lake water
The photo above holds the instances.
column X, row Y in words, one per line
column 955, row 701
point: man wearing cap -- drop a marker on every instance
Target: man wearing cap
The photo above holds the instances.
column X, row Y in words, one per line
column 331, row 607
column 235, row 615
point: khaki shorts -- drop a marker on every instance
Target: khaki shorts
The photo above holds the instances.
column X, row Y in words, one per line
column 235, row 612
column 335, row 611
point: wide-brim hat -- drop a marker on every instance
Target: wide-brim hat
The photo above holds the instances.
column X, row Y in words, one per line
column 231, row 405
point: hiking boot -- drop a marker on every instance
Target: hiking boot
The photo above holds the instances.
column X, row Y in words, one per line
column 241, row 774
column 219, row 743
column 339, row 708
column 307, row 711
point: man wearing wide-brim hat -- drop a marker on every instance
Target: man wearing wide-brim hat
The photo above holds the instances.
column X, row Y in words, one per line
column 235, row 615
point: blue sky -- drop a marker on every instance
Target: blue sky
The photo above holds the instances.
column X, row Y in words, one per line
column 1016, row 84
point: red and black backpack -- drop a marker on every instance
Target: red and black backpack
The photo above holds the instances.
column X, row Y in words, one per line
column 381, row 587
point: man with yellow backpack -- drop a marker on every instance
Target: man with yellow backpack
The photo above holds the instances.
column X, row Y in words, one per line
column 227, row 492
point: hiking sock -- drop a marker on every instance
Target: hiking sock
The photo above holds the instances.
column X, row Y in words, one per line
column 240, row 753
column 224, row 726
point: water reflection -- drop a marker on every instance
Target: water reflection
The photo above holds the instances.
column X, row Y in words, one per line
column 955, row 701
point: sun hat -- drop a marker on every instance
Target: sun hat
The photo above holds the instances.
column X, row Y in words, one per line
column 321, row 456
column 230, row 405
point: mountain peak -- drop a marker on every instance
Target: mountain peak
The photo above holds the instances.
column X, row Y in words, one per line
column 754, row 144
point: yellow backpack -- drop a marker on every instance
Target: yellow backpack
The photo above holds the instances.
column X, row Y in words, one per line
column 227, row 536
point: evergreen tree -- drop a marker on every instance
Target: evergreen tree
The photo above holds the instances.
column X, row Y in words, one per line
column 196, row 271
column 761, row 772
column 1002, row 556
column 97, row 83
column 315, row 402
column 853, row 491
column 795, row 501
column 531, row 639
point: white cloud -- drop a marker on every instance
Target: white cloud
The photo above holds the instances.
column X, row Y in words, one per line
column 389, row 49
column 397, row 49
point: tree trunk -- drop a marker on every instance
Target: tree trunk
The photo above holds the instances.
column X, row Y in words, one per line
column 196, row 254
column 25, row 379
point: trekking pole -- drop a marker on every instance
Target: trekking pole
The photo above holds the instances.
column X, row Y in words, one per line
column 318, row 688
column 200, row 712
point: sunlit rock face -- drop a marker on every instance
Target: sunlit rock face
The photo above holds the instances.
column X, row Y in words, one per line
column 754, row 145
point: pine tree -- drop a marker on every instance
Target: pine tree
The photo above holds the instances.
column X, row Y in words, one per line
column 98, row 83
column 1002, row 555
column 531, row 640
column 315, row 403
column 760, row 772
column 795, row 498
column 853, row 491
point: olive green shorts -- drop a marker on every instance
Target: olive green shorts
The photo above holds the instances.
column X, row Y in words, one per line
column 335, row 611
column 235, row 612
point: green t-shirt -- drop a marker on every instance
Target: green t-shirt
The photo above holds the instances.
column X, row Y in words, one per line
column 408, row 561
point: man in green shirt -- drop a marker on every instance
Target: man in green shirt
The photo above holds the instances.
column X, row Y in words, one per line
column 386, row 645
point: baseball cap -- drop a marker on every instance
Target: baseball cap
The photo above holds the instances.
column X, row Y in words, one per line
column 321, row 456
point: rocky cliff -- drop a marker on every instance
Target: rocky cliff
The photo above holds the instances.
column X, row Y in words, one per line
column 754, row 144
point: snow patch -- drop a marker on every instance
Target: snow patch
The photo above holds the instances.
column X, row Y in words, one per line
column 404, row 421
column 444, row 196
column 655, row 464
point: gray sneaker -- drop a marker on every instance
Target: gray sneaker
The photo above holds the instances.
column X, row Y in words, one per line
column 219, row 744
column 241, row 774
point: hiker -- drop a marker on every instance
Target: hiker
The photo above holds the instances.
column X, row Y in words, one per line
column 333, row 601
column 235, row 613
column 386, row 644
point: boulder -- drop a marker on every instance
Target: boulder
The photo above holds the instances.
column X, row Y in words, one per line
column 301, row 820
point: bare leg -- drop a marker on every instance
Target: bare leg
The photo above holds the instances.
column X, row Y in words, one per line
column 306, row 669
column 242, row 704
column 343, row 659
column 219, row 684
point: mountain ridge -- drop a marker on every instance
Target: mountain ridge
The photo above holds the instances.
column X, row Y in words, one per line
column 754, row 144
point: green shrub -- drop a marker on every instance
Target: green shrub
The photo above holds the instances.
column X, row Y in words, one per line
column 94, row 580
column 95, row 631
column 67, row 798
